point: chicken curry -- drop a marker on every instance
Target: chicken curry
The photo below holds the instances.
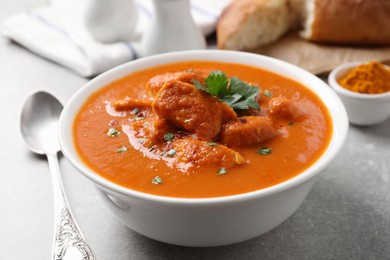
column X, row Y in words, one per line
column 201, row 129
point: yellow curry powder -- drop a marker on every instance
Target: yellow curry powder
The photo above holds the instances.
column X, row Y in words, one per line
column 369, row 78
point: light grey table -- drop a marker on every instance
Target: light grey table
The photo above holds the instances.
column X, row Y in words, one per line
column 345, row 216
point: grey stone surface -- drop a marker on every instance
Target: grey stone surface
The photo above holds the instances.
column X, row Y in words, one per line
column 345, row 216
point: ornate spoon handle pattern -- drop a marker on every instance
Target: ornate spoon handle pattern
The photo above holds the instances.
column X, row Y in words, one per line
column 68, row 237
column 68, row 241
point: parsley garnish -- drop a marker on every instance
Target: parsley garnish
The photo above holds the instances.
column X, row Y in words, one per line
column 171, row 152
column 264, row 151
column 267, row 93
column 138, row 118
column 237, row 94
column 211, row 144
column 222, row 171
column 135, row 111
column 157, row 180
column 121, row 149
column 112, row 132
column 168, row 136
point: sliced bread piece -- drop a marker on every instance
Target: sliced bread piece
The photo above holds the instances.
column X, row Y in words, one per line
column 248, row 24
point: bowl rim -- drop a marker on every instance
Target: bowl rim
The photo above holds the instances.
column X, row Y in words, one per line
column 342, row 70
column 67, row 118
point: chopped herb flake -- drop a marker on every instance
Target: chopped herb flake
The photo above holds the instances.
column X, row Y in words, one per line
column 121, row 149
column 157, row 180
column 138, row 118
column 264, row 151
column 112, row 132
column 171, row 152
column 141, row 140
column 267, row 93
column 222, row 171
column 291, row 123
column 168, row 136
column 212, row 144
column 135, row 111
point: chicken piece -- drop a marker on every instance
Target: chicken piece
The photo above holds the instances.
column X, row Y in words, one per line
column 195, row 153
column 130, row 103
column 192, row 110
column 247, row 130
column 283, row 107
column 157, row 82
column 150, row 131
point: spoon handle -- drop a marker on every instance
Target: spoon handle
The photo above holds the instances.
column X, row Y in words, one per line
column 68, row 241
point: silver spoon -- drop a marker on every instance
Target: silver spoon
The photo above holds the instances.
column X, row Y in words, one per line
column 39, row 127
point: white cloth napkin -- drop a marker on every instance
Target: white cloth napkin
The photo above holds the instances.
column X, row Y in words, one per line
column 57, row 32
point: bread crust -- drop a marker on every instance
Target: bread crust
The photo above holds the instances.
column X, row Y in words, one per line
column 362, row 22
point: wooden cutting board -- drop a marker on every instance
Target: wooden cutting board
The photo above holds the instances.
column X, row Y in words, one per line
column 320, row 58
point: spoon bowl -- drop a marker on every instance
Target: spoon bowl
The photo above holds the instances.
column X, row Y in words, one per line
column 39, row 122
column 39, row 128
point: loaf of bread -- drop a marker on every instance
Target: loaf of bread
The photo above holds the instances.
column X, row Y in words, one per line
column 249, row 24
column 362, row 22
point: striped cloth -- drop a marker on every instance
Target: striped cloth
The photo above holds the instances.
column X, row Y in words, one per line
column 59, row 34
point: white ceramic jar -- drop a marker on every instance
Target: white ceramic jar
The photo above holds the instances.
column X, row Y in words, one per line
column 111, row 21
column 172, row 28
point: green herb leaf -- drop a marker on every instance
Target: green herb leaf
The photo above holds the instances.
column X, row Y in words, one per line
column 112, row 132
column 211, row 144
column 231, row 100
column 248, row 94
column 157, row 180
column 199, row 85
column 121, row 149
column 291, row 123
column 171, row 152
column 222, row 171
column 216, row 82
column 168, row 137
column 264, row 151
column 237, row 94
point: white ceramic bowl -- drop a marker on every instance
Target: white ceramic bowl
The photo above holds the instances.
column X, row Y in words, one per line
column 206, row 221
column 362, row 109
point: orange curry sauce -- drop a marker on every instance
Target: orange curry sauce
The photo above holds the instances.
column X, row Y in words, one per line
column 299, row 142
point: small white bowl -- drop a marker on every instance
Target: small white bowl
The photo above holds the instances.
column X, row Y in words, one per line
column 206, row 221
column 362, row 109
